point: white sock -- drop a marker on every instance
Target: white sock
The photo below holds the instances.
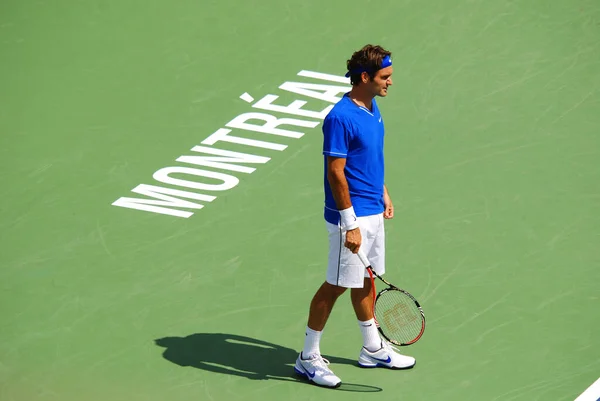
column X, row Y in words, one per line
column 371, row 339
column 311, row 343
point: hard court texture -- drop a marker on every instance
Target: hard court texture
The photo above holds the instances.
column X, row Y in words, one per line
column 492, row 161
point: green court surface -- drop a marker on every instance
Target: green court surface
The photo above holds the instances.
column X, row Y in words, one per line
column 493, row 163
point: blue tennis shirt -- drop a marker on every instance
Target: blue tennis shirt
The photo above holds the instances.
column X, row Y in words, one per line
column 356, row 134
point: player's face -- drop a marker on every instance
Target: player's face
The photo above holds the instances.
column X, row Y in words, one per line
column 382, row 81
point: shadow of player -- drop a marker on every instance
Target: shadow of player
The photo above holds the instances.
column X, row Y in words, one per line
column 241, row 356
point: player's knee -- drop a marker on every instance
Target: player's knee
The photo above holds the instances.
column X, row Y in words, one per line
column 333, row 290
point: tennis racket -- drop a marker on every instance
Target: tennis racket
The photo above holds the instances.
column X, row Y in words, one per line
column 398, row 315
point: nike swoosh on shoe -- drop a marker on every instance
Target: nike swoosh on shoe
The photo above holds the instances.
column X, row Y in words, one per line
column 388, row 360
column 311, row 375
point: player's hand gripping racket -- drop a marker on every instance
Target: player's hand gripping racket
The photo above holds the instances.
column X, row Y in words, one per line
column 398, row 315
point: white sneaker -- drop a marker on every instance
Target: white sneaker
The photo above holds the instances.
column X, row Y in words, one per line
column 316, row 370
column 386, row 356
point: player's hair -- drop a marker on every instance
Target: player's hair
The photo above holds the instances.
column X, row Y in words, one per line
column 367, row 59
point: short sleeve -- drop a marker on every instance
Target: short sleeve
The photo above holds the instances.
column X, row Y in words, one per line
column 335, row 138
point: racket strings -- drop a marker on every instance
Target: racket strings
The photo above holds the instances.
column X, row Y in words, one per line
column 398, row 316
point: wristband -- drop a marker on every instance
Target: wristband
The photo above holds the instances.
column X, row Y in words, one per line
column 348, row 219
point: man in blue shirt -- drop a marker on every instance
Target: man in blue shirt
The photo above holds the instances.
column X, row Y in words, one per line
column 356, row 204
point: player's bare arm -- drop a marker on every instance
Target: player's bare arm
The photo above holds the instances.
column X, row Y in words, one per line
column 341, row 194
column 388, row 213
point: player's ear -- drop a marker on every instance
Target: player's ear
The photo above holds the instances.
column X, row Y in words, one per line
column 364, row 77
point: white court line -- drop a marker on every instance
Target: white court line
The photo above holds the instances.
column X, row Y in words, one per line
column 592, row 393
column 246, row 96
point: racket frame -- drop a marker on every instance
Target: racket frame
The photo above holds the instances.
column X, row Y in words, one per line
column 391, row 287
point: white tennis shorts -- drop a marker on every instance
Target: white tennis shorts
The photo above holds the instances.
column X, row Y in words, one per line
column 344, row 267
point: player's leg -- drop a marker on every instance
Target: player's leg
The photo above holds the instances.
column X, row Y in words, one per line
column 362, row 297
column 322, row 304
column 310, row 363
column 320, row 309
column 375, row 352
column 337, row 280
column 362, row 301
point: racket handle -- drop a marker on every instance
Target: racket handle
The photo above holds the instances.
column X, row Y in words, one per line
column 363, row 258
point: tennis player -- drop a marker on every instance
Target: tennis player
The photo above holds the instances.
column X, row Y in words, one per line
column 356, row 204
